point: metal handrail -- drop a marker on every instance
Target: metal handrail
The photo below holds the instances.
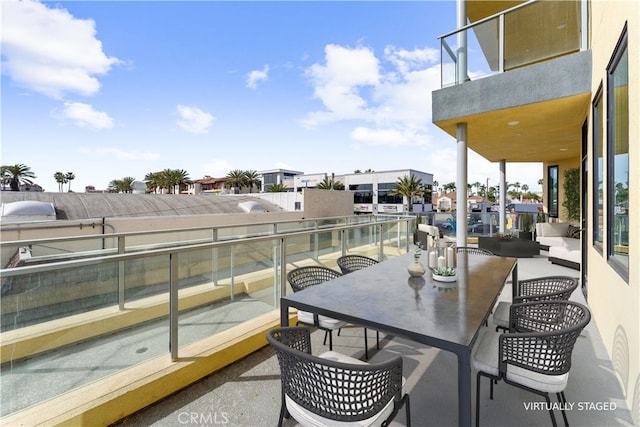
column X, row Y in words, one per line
column 16, row 271
column 488, row 18
column 173, row 252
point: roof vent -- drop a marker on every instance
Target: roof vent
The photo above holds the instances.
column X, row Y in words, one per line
column 251, row 206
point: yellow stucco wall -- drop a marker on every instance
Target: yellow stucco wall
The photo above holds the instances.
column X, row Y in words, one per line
column 615, row 302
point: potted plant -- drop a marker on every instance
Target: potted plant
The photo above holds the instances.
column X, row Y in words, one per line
column 444, row 274
column 525, row 227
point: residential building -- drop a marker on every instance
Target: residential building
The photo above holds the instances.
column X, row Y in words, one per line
column 277, row 176
column 556, row 82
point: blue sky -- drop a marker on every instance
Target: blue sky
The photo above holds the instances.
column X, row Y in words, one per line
column 109, row 89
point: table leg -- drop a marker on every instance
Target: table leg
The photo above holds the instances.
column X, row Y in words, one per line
column 464, row 388
column 284, row 314
column 514, row 282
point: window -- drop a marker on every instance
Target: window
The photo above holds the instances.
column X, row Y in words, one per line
column 598, row 173
column 552, row 190
column 384, row 197
column 618, row 158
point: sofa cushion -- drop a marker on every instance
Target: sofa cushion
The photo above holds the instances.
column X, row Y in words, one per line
column 567, row 252
column 552, row 229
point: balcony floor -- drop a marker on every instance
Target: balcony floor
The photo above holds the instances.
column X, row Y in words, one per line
column 247, row 393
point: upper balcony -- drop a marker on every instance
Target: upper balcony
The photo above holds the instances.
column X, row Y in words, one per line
column 520, row 78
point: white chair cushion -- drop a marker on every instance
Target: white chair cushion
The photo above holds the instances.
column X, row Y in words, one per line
column 325, row 322
column 485, row 359
column 307, row 418
column 501, row 314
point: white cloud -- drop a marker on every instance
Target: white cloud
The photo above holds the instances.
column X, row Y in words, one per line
column 83, row 115
column 193, row 119
column 121, row 154
column 256, row 75
column 391, row 94
column 337, row 83
column 49, row 51
column 217, row 168
column 393, row 137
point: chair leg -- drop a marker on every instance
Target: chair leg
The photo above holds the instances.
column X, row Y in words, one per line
column 326, row 334
column 478, row 399
column 366, row 345
column 553, row 417
column 563, row 404
column 378, row 340
column 408, row 409
column 330, row 340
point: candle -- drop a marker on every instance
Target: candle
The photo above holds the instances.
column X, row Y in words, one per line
column 433, row 260
column 450, row 260
column 441, row 262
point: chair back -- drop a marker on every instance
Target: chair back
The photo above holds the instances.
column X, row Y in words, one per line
column 546, row 288
column 473, row 251
column 302, row 277
column 351, row 263
column 544, row 337
column 334, row 390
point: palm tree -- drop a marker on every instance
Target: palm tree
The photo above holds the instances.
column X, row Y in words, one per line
column 177, row 178
column 15, row 174
column 409, row 187
column 60, row 179
column 235, row 180
column 330, row 184
column 69, row 176
column 251, row 179
column 124, row 185
column 278, row 188
column 152, row 181
column 450, row 187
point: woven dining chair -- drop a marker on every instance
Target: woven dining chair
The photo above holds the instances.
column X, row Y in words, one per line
column 303, row 277
column 333, row 388
column 350, row 263
column 536, row 289
column 473, row 251
column 536, row 355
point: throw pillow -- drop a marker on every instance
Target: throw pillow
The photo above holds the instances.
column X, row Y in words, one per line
column 573, row 231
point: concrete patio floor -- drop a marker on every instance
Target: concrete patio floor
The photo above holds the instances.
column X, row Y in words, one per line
column 247, row 393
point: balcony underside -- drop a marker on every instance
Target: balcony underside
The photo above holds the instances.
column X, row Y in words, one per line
column 546, row 104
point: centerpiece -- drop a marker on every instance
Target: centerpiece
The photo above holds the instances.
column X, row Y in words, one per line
column 444, row 274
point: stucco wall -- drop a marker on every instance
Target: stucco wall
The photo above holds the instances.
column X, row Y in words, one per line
column 615, row 303
column 327, row 203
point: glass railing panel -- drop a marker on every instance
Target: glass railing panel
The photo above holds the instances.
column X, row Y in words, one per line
column 72, row 366
column 541, row 31
column 34, row 298
column 145, row 279
column 363, row 240
column 532, row 33
column 482, row 224
column 248, row 291
column 394, row 238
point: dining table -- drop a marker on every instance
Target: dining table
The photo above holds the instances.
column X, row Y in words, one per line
column 445, row 315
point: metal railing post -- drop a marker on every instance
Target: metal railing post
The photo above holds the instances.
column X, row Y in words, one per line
column 283, row 267
column 121, row 279
column 173, row 306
